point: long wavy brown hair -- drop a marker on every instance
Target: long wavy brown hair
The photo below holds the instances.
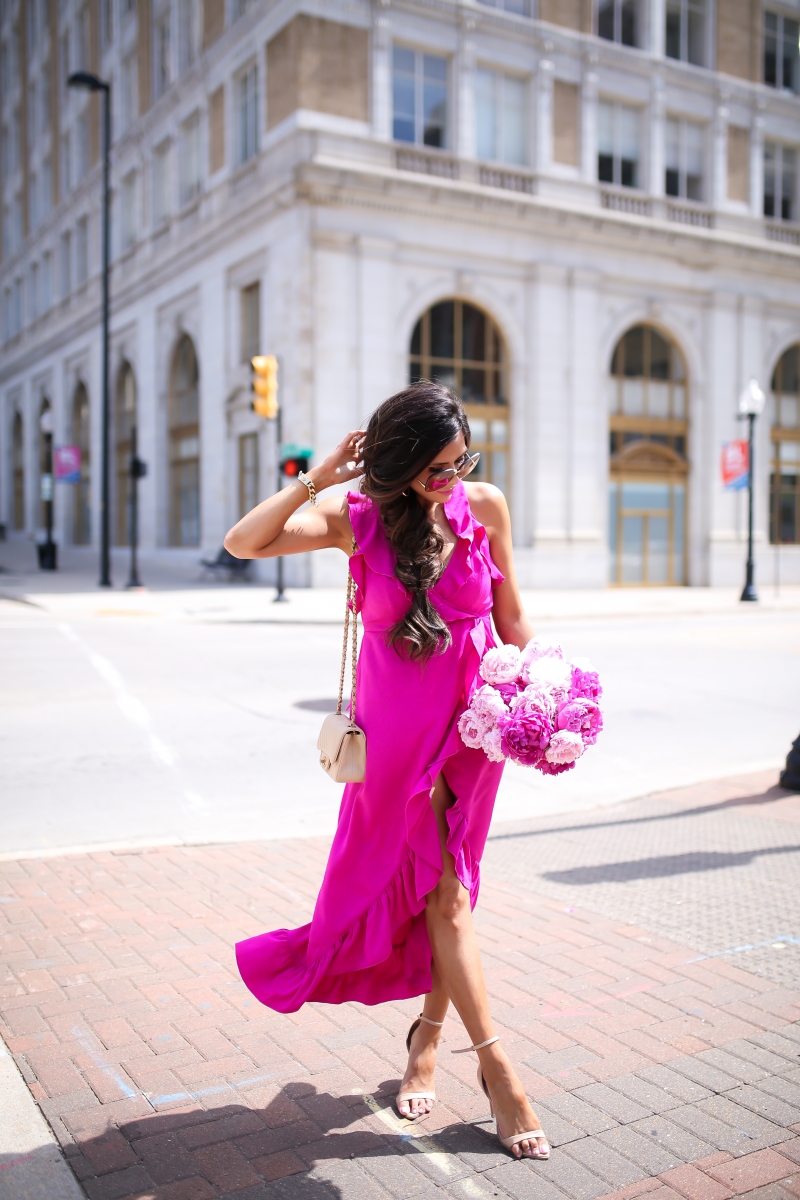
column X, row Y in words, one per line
column 403, row 436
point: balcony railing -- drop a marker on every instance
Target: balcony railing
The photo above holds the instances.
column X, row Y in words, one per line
column 690, row 214
column 427, row 163
column 625, row 202
column 512, row 181
column 789, row 234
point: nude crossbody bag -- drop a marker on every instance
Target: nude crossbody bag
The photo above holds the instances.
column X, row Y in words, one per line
column 342, row 745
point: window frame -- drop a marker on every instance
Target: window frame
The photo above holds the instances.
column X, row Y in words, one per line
column 684, row 123
column 419, row 118
column 249, row 331
column 617, row 107
column 500, row 78
column 784, row 435
column 247, row 138
column 780, row 39
column 683, row 32
column 779, row 169
column 618, row 19
column 190, row 159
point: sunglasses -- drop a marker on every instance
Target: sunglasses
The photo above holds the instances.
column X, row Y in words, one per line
column 437, row 480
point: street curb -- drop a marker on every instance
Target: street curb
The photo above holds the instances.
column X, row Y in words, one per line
column 31, row 1164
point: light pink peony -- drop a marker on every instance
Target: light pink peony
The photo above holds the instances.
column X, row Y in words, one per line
column 487, row 704
column 551, row 673
column 501, row 665
column 565, row 747
column 472, row 729
column 581, row 716
column 492, row 745
column 548, row 768
column 535, row 695
column 541, row 648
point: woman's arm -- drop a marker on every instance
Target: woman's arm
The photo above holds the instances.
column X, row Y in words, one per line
column 510, row 619
column 275, row 527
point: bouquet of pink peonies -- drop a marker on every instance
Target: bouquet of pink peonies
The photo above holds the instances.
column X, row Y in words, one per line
column 534, row 707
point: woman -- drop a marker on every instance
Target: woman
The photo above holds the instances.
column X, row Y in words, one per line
column 431, row 557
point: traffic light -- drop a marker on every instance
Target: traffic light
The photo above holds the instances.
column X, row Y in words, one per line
column 291, row 467
column 264, row 385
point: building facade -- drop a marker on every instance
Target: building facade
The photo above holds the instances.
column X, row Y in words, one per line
column 583, row 214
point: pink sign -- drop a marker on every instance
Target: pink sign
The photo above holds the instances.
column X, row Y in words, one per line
column 67, row 463
column 735, row 465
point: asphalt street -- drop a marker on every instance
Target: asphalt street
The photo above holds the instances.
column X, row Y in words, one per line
column 193, row 717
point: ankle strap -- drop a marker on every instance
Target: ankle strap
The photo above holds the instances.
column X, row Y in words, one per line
column 479, row 1046
column 428, row 1021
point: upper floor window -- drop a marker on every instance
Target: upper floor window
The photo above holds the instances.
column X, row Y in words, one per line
column 161, row 182
column 781, row 51
column 106, row 23
column 523, row 8
column 684, row 159
column 128, row 211
column 247, row 115
column 500, row 116
column 686, row 31
column 251, row 321
column 82, row 251
column 419, row 90
column 66, row 264
column 128, row 97
column 240, row 7
column 618, row 128
column 189, row 29
column 162, row 72
column 618, row 21
column 780, row 181
column 191, row 178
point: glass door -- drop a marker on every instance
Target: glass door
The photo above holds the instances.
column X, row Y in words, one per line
column 646, row 532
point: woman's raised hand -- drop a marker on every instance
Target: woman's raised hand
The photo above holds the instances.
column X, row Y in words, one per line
column 343, row 463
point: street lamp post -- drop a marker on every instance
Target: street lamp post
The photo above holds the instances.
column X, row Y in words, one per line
column 91, row 83
column 751, row 405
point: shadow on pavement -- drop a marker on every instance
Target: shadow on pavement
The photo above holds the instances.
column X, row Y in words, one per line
column 299, row 1145
column 768, row 797
column 662, row 865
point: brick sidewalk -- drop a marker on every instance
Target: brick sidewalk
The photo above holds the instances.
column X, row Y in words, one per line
column 654, row 1073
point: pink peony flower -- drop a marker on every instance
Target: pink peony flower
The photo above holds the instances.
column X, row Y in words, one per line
column 553, row 674
column 524, row 735
column 581, row 716
column 548, row 768
column 585, row 684
column 492, row 745
column 509, row 691
column 487, row 704
column 501, row 665
column 537, row 696
column 472, row 730
column 565, row 747
column 541, row 648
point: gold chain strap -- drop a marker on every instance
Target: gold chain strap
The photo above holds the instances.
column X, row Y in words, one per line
column 351, row 594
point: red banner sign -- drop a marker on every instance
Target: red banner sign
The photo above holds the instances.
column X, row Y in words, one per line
column 735, row 465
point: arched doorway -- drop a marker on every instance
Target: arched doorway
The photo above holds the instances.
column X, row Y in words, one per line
column 184, row 447
column 81, row 495
column 648, row 466
column 461, row 346
column 784, row 479
column 18, row 469
column 124, row 421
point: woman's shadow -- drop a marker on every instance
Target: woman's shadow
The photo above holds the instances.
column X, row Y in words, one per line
column 302, row 1144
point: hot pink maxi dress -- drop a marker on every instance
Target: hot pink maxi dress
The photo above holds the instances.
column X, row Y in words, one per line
column 367, row 940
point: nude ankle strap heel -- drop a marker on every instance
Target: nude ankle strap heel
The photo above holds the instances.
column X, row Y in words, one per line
column 404, row 1097
column 509, row 1142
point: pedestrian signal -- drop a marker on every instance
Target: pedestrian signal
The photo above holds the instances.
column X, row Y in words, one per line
column 264, row 385
column 291, row 467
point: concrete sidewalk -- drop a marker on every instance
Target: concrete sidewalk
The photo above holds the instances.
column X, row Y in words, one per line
column 614, row 942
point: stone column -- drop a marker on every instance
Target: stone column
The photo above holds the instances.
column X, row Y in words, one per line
column 757, row 168
column 464, row 93
column 544, row 115
column 589, row 125
column 719, row 158
column 382, row 78
column 656, row 123
column 657, row 28
column 211, row 352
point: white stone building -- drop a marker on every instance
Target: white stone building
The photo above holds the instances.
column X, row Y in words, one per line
column 557, row 204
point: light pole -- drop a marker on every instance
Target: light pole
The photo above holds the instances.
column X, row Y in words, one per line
column 91, row 83
column 751, row 405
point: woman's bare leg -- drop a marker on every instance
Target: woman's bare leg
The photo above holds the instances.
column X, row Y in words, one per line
column 459, row 968
column 422, row 1056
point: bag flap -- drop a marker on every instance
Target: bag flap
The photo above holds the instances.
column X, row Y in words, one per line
column 335, row 729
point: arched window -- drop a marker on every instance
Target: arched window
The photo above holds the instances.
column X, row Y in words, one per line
column 648, row 465
column 18, row 455
column 124, row 421
column 184, row 447
column 784, row 480
column 461, row 346
column 81, row 437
